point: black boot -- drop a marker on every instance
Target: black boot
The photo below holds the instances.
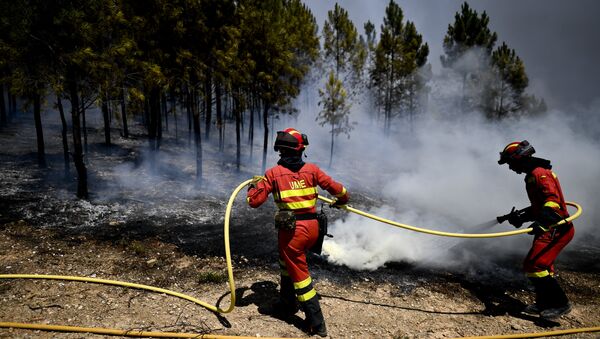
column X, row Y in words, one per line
column 556, row 312
column 315, row 323
column 559, row 304
column 320, row 330
column 287, row 305
column 542, row 296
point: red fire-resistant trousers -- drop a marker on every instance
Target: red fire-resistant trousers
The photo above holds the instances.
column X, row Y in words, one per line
column 539, row 261
column 293, row 245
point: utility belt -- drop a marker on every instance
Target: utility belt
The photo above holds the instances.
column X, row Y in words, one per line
column 286, row 220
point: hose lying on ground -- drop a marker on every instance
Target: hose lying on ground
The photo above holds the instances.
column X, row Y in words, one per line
column 217, row 309
column 124, row 333
column 537, row 334
column 145, row 287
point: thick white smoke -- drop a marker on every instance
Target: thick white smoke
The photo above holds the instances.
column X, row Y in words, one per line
column 444, row 175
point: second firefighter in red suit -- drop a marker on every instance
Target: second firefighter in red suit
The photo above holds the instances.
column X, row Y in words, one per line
column 547, row 208
column 293, row 184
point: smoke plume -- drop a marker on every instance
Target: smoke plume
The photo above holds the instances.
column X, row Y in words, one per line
column 442, row 174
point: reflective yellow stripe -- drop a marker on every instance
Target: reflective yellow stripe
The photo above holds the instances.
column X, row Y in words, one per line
column 307, row 296
column 341, row 194
column 299, row 192
column 538, row 274
column 247, row 199
column 554, row 175
column 303, row 283
column 552, row 204
column 511, row 146
column 297, row 205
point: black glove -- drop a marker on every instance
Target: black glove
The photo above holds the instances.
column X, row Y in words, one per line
column 255, row 180
column 515, row 220
column 537, row 228
column 337, row 204
column 548, row 217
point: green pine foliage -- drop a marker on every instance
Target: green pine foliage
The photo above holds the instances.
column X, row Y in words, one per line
column 468, row 30
column 494, row 80
column 139, row 53
column 344, row 55
column 394, row 77
column 509, row 80
column 336, row 110
column 243, row 62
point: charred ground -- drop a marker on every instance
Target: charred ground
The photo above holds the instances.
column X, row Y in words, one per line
column 166, row 234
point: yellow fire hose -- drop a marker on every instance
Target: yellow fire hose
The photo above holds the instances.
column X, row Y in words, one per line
column 135, row 333
column 124, row 333
column 537, row 334
column 449, row 234
column 144, row 287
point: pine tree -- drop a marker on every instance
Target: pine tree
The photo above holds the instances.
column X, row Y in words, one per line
column 469, row 33
column 469, row 30
column 398, row 55
column 509, row 80
column 278, row 44
column 345, row 54
column 343, row 51
column 31, row 59
column 336, row 110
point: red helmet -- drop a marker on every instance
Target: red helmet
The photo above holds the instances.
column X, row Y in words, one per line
column 290, row 139
column 516, row 150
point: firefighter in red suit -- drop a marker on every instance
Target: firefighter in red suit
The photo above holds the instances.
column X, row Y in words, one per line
column 547, row 208
column 293, row 184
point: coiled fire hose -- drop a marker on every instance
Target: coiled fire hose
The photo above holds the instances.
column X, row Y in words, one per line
column 134, row 333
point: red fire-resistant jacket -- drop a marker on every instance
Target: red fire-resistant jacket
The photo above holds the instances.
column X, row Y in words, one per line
column 295, row 191
column 543, row 189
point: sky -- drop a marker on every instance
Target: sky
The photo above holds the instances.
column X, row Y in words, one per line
column 556, row 39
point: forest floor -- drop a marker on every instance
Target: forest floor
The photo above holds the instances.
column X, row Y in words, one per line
column 177, row 243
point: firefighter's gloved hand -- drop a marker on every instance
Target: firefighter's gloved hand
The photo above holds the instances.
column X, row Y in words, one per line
column 255, row 180
column 537, row 228
column 515, row 220
column 338, row 204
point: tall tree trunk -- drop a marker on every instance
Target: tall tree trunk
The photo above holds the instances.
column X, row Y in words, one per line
column 65, row 140
column 3, row 118
column 174, row 110
column 331, row 149
column 37, row 114
column 106, row 117
column 124, row 113
column 197, row 139
column 159, row 124
column 82, row 189
column 219, row 115
column 12, row 106
column 154, row 117
column 165, row 112
column 190, row 115
column 251, row 128
column 266, row 135
column 84, row 127
column 208, row 106
column 238, row 139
